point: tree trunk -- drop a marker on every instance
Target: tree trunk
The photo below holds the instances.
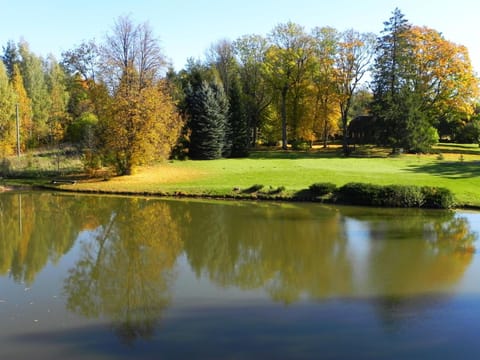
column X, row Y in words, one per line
column 284, row 118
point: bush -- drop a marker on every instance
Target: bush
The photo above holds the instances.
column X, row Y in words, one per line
column 395, row 196
column 321, row 189
column 401, row 196
column 359, row 194
column 438, row 198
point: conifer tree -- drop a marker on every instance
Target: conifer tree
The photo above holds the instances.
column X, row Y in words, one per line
column 237, row 137
column 208, row 113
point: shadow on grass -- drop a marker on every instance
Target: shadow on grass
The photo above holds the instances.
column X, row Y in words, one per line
column 450, row 170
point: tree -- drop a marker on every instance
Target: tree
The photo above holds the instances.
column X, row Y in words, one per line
column 33, row 72
column 82, row 60
column 237, row 137
column 141, row 126
column 353, row 61
column 287, row 61
column 427, row 77
column 24, row 107
column 443, row 74
column 10, row 57
column 141, row 123
column 8, row 100
column 207, row 109
column 324, row 104
column 251, row 52
column 58, row 118
column 128, row 47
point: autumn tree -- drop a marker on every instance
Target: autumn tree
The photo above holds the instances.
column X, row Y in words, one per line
column 8, row 100
column 58, row 118
column 287, row 62
column 398, row 106
column 443, row 75
column 33, row 72
column 324, row 95
column 353, row 61
column 141, row 123
column 24, row 107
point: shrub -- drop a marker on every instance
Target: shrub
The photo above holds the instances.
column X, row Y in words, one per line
column 401, row 196
column 438, row 198
column 359, row 194
column 395, row 196
column 321, row 189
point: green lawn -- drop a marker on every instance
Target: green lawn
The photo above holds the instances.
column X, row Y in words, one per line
column 457, row 171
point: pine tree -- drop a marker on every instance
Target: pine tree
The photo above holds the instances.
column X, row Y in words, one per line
column 208, row 113
column 237, row 137
column 403, row 121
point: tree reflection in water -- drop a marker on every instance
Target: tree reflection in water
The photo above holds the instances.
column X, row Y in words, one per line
column 126, row 271
column 128, row 248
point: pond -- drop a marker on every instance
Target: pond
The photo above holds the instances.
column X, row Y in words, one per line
column 92, row 277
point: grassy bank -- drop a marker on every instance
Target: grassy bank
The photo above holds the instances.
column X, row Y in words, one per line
column 281, row 174
column 284, row 173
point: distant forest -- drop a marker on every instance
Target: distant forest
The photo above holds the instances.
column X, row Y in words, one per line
column 119, row 104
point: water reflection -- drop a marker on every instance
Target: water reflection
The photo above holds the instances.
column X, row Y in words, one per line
column 125, row 267
column 126, row 252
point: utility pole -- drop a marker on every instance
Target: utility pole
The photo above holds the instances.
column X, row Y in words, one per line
column 18, row 129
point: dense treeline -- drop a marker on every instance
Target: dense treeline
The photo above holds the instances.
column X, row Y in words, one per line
column 119, row 104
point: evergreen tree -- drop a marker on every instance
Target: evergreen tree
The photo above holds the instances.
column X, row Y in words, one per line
column 10, row 57
column 397, row 105
column 237, row 137
column 207, row 110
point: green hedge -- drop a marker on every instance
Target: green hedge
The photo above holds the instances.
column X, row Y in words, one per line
column 403, row 196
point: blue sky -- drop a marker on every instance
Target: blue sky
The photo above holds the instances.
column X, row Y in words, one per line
column 187, row 28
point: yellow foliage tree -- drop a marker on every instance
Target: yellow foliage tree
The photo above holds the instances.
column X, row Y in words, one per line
column 143, row 124
column 444, row 74
column 24, row 107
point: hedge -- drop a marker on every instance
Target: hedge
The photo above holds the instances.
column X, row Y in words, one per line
column 403, row 196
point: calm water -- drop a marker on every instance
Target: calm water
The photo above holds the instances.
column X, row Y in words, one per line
column 110, row 277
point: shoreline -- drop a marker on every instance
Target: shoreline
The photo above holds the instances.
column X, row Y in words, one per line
column 183, row 195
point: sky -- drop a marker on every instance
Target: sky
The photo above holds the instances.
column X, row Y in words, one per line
column 187, row 28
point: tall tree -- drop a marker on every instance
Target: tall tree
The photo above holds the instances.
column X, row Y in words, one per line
column 10, row 57
column 354, row 57
column 7, row 113
column 33, row 72
column 58, row 118
column 141, row 123
column 208, row 113
column 251, row 51
column 397, row 105
column 237, row 137
column 325, row 97
column 24, row 107
column 142, row 126
column 287, row 62
column 131, row 46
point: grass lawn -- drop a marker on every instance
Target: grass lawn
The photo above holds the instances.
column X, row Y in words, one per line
column 456, row 168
